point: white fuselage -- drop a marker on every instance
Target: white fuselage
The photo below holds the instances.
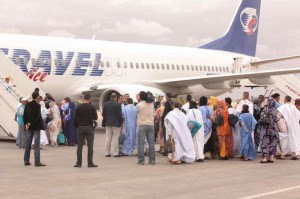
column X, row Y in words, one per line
column 74, row 65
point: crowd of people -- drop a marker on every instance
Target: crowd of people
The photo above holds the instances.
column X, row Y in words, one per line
column 209, row 128
column 205, row 129
column 42, row 122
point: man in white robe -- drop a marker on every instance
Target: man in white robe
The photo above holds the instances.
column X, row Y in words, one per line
column 176, row 126
column 194, row 114
column 245, row 100
column 186, row 106
column 290, row 143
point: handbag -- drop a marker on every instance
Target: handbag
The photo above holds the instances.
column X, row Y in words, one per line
column 61, row 138
column 219, row 120
column 194, row 125
column 232, row 120
column 169, row 145
column 264, row 120
column 68, row 117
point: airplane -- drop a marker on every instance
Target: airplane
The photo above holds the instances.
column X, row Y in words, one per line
column 67, row 67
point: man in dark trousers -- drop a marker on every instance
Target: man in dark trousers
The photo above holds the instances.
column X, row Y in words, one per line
column 112, row 120
column 84, row 118
column 34, row 124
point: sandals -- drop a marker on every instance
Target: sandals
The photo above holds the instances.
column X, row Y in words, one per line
column 263, row 162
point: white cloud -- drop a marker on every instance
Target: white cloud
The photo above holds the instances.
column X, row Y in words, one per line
column 61, row 33
column 60, row 23
column 195, row 42
column 116, row 2
column 139, row 27
column 10, row 30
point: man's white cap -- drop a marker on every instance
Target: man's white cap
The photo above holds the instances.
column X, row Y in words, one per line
column 24, row 99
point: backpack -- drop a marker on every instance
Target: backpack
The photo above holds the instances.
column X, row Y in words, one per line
column 219, row 120
column 232, row 120
column 149, row 97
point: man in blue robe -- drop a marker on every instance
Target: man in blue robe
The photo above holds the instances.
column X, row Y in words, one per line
column 247, row 123
column 207, row 113
column 130, row 125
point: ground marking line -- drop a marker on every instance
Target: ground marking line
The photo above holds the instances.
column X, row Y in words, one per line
column 271, row 192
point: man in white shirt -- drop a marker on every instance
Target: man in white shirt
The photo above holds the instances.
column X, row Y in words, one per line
column 247, row 101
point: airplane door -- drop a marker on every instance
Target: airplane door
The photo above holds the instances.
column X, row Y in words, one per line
column 237, row 65
column 118, row 67
column 107, row 66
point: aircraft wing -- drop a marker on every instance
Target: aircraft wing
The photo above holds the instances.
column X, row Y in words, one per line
column 212, row 79
column 269, row 61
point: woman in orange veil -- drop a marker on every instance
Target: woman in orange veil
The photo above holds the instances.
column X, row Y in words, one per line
column 224, row 132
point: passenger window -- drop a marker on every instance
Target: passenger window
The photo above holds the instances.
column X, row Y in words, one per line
column 157, row 66
column 192, row 68
column 142, row 65
column 137, row 65
column 168, row 67
column 125, row 64
column 182, row 67
column 200, row 68
column 187, row 67
column 152, row 66
column 162, row 66
column 213, row 69
column 173, row 67
column 197, row 68
column 131, row 65
column 227, row 69
column 107, row 64
column 208, row 68
column 220, row 69
column 102, row 64
column 204, row 68
column 177, row 66
column 119, row 65
column 148, row 66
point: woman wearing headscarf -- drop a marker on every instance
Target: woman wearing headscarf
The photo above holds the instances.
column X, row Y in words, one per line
column 69, row 127
column 211, row 146
column 160, row 134
column 235, row 130
column 194, row 114
column 55, row 123
column 224, row 132
column 247, row 123
column 269, row 131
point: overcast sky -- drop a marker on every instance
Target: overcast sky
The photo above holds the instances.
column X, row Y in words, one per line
column 168, row 22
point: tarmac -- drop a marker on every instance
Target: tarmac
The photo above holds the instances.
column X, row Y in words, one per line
column 123, row 178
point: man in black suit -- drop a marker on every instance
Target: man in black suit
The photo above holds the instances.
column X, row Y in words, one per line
column 112, row 120
column 34, row 124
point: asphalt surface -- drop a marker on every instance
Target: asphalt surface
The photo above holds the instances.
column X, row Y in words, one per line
column 123, row 178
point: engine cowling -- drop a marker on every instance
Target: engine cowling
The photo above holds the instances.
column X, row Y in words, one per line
column 121, row 89
column 262, row 81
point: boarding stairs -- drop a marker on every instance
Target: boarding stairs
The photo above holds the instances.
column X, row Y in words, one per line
column 285, row 85
column 9, row 100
